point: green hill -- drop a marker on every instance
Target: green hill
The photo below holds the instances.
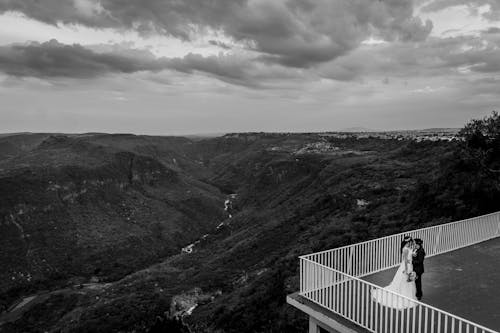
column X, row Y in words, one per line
column 121, row 208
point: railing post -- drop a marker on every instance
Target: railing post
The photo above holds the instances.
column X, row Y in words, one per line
column 437, row 239
column 349, row 263
column 301, row 275
column 498, row 227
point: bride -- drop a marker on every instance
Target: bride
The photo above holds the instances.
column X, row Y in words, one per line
column 401, row 283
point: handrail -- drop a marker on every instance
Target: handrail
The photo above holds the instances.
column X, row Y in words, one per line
column 401, row 234
column 441, row 238
column 331, row 278
column 406, row 298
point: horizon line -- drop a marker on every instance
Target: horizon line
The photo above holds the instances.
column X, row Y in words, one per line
column 215, row 133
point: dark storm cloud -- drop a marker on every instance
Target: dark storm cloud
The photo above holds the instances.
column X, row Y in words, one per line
column 53, row 59
column 298, row 33
column 435, row 57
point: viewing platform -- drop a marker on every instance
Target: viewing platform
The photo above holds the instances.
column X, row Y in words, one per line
column 460, row 283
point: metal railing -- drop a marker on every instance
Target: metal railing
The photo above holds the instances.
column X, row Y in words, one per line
column 332, row 279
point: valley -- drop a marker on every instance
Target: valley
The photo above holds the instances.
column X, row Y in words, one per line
column 125, row 233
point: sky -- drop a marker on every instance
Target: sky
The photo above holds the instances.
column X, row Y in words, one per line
column 173, row 67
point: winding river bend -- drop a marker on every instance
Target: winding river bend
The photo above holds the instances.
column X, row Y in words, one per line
column 228, row 207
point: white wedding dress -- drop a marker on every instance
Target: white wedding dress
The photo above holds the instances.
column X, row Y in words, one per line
column 398, row 285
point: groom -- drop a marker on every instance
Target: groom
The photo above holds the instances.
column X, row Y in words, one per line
column 418, row 265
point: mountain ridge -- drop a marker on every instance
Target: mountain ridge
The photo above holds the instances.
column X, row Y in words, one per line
column 295, row 194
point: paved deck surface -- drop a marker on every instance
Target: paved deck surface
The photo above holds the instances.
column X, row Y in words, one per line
column 465, row 282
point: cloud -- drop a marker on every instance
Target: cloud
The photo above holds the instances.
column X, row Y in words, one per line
column 53, row 59
column 228, row 68
column 296, row 33
column 475, row 7
column 235, row 69
column 220, row 44
column 86, row 12
column 492, row 30
column 436, row 57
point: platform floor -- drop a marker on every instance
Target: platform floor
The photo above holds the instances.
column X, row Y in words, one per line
column 465, row 282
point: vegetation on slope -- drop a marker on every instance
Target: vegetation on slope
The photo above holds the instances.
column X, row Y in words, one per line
column 288, row 204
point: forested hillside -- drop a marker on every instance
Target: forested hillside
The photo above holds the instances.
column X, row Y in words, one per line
column 98, row 222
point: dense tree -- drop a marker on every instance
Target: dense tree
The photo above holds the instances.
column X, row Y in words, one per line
column 467, row 182
column 481, row 143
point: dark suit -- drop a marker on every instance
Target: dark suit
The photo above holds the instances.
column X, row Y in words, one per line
column 418, row 268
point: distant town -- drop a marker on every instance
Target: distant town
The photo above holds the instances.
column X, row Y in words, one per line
column 432, row 134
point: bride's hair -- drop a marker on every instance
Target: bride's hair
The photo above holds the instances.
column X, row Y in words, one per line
column 406, row 240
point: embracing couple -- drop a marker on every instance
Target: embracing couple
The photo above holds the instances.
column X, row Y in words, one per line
column 408, row 279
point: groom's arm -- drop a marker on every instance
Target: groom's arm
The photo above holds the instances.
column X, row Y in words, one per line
column 419, row 258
